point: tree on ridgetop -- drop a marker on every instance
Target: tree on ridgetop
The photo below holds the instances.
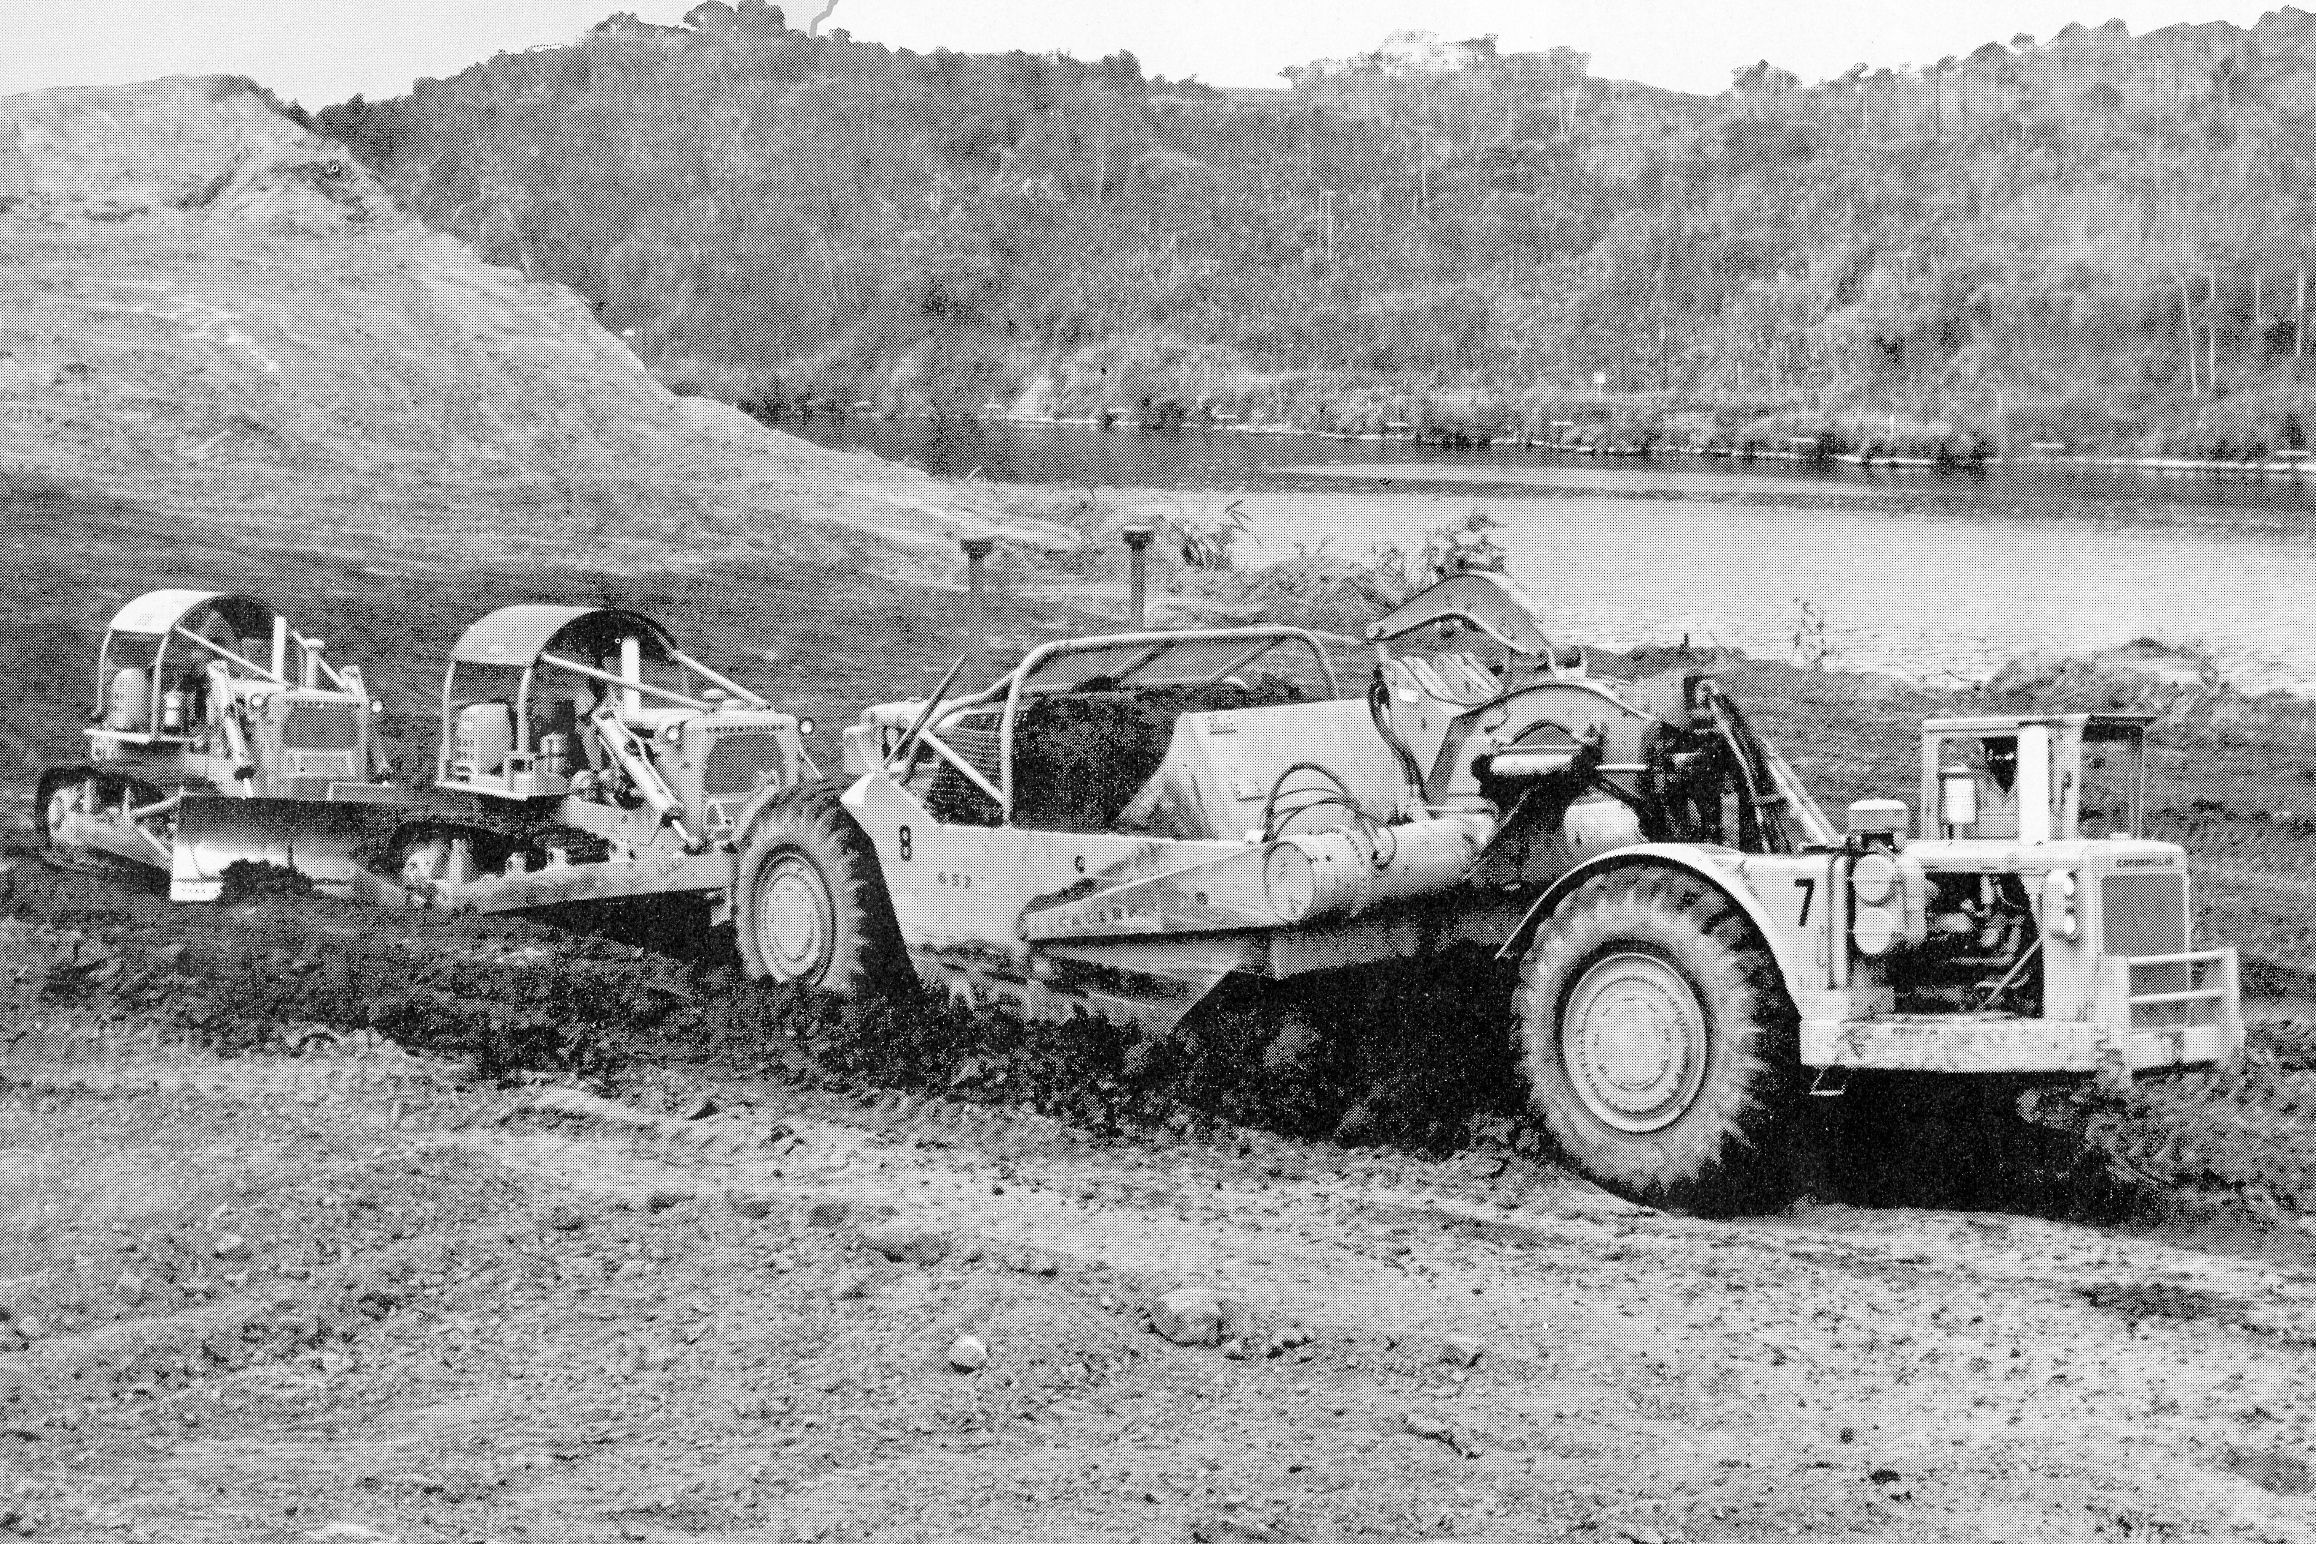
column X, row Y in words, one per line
column 2022, row 41
column 1567, row 69
column 1761, row 82
column 762, row 18
column 1762, row 79
column 1855, row 78
column 1120, row 70
column 712, row 16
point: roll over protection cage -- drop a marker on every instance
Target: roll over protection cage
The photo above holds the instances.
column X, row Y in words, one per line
column 164, row 615
column 523, row 638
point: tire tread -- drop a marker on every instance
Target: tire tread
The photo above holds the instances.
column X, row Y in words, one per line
column 810, row 818
column 1724, row 1153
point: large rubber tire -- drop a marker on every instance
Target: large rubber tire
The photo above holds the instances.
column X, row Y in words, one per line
column 808, row 902
column 1659, row 1044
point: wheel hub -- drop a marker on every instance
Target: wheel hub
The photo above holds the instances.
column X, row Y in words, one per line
column 795, row 919
column 1634, row 1041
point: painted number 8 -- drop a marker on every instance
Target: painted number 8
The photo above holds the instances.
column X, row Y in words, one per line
column 907, row 845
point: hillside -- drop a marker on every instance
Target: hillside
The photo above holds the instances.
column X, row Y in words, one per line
column 2022, row 243
column 209, row 310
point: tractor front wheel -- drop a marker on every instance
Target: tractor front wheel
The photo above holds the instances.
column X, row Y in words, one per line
column 809, row 905
column 1659, row 1043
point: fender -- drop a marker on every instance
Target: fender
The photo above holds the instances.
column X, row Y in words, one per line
column 1686, row 858
column 757, row 801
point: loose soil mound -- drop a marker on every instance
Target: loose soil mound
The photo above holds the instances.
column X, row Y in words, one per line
column 209, row 308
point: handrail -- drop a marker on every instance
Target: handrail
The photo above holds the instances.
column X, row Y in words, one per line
column 2199, row 994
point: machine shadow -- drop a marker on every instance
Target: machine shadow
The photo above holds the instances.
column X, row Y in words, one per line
column 1968, row 1145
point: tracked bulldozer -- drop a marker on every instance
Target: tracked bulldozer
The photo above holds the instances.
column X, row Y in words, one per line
column 219, row 734
column 1124, row 825
column 583, row 757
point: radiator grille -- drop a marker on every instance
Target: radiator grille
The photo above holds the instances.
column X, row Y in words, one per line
column 739, row 764
column 951, row 796
column 321, row 726
column 2144, row 913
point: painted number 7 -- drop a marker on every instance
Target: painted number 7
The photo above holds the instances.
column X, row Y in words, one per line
column 1808, row 887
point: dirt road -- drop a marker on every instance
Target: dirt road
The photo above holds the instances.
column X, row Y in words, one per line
column 353, row 1295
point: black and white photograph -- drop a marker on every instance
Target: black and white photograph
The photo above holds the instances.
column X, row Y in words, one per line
column 898, row 771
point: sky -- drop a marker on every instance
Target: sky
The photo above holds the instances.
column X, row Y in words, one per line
column 321, row 51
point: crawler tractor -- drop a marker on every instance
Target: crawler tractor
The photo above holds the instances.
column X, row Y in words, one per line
column 583, row 757
column 1124, row 824
column 218, row 733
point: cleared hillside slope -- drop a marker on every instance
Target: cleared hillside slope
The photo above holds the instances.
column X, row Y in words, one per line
column 206, row 309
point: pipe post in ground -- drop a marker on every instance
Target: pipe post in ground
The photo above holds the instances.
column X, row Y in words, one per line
column 1137, row 570
column 977, row 550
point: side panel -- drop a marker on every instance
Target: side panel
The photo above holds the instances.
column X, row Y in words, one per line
column 960, row 886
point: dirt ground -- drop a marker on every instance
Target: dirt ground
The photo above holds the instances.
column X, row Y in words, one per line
column 319, row 1224
column 353, row 1295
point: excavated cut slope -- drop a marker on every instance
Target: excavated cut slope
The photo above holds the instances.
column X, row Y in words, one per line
column 206, row 308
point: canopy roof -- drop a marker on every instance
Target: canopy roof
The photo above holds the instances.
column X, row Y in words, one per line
column 518, row 635
column 154, row 613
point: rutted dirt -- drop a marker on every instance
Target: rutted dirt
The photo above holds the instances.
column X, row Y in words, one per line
column 355, row 1295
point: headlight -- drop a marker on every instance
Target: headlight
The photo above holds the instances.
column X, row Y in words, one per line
column 2059, row 918
column 1873, row 930
column 673, row 734
column 1874, row 879
column 804, row 726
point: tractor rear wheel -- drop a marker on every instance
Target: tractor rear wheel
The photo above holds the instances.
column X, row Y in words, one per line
column 1659, row 1043
column 808, row 902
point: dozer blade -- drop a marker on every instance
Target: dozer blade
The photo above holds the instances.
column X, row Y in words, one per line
column 317, row 838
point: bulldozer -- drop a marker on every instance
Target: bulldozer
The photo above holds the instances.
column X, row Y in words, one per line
column 219, row 733
column 1123, row 825
column 583, row 757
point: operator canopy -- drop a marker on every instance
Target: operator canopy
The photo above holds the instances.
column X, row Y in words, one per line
column 156, row 612
column 517, row 635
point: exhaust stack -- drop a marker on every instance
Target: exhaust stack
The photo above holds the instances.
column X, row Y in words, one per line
column 631, row 669
column 1137, row 570
column 977, row 550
